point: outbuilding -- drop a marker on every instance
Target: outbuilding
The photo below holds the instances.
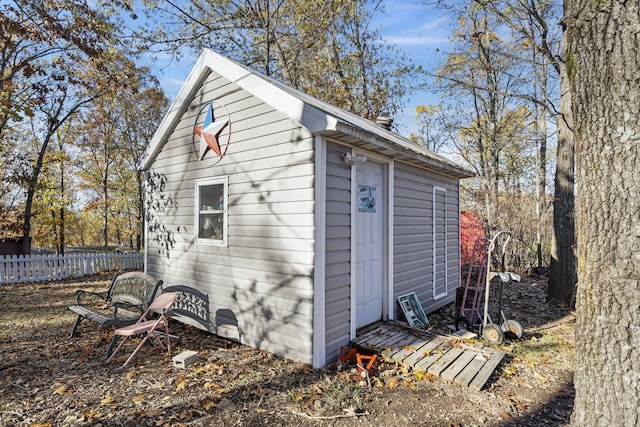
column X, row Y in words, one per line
column 301, row 222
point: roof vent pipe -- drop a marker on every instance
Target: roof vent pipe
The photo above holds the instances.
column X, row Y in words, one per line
column 384, row 122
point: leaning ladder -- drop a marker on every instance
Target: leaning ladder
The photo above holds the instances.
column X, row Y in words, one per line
column 475, row 283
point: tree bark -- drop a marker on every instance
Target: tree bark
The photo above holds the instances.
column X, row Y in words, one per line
column 32, row 186
column 562, row 268
column 541, row 170
column 603, row 63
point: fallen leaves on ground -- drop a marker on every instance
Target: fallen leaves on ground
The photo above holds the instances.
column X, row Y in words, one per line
column 49, row 379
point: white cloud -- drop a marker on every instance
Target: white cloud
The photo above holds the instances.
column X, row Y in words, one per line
column 416, row 40
column 435, row 24
column 413, row 25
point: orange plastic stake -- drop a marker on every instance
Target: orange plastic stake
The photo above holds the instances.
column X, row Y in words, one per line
column 345, row 356
column 366, row 364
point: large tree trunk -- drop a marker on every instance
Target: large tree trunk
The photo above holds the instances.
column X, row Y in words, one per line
column 603, row 61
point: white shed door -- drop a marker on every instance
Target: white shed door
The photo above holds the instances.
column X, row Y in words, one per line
column 370, row 219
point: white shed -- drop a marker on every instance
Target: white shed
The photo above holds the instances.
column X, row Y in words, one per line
column 301, row 222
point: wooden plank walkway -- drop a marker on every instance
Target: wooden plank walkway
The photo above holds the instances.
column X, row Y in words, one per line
column 450, row 358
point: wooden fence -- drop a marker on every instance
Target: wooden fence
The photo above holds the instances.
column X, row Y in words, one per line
column 41, row 268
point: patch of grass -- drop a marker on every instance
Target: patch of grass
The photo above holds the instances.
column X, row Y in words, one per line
column 544, row 348
column 250, row 377
column 327, row 393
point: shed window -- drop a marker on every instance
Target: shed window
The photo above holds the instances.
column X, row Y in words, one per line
column 211, row 212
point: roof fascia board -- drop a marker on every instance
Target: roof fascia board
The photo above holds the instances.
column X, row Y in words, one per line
column 295, row 108
column 407, row 148
column 192, row 84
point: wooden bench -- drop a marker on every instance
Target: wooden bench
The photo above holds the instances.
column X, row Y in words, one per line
column 128, row 296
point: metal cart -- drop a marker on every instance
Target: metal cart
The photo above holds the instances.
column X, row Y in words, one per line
column 477, row 286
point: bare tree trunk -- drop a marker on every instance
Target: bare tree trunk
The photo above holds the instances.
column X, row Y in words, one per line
column 32, row 186
column 105, row 210
column 541, row 196
column 541, row 133
column 562, row 274
column 603, row 63
column 62, row 236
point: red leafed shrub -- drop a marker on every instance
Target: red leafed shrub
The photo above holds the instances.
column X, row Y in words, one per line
column 471, row 228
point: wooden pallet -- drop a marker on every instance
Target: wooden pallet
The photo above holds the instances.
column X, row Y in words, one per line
column 450, row 358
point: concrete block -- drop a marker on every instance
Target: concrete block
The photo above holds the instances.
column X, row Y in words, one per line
column 185, row 359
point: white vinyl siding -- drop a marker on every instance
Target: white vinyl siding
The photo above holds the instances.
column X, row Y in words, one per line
column 414, row 257
column 261, row 283
column 338, row 251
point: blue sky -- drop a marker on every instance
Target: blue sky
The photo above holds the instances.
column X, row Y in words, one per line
column 419, row 30
column 412, row 26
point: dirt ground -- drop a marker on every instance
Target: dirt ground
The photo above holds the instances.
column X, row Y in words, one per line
column 48, row 379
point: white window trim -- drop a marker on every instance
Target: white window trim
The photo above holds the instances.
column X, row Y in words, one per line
column 435, row 252
column 224, row 180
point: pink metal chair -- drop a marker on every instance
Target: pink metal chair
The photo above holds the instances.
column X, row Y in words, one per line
column 152, row 327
